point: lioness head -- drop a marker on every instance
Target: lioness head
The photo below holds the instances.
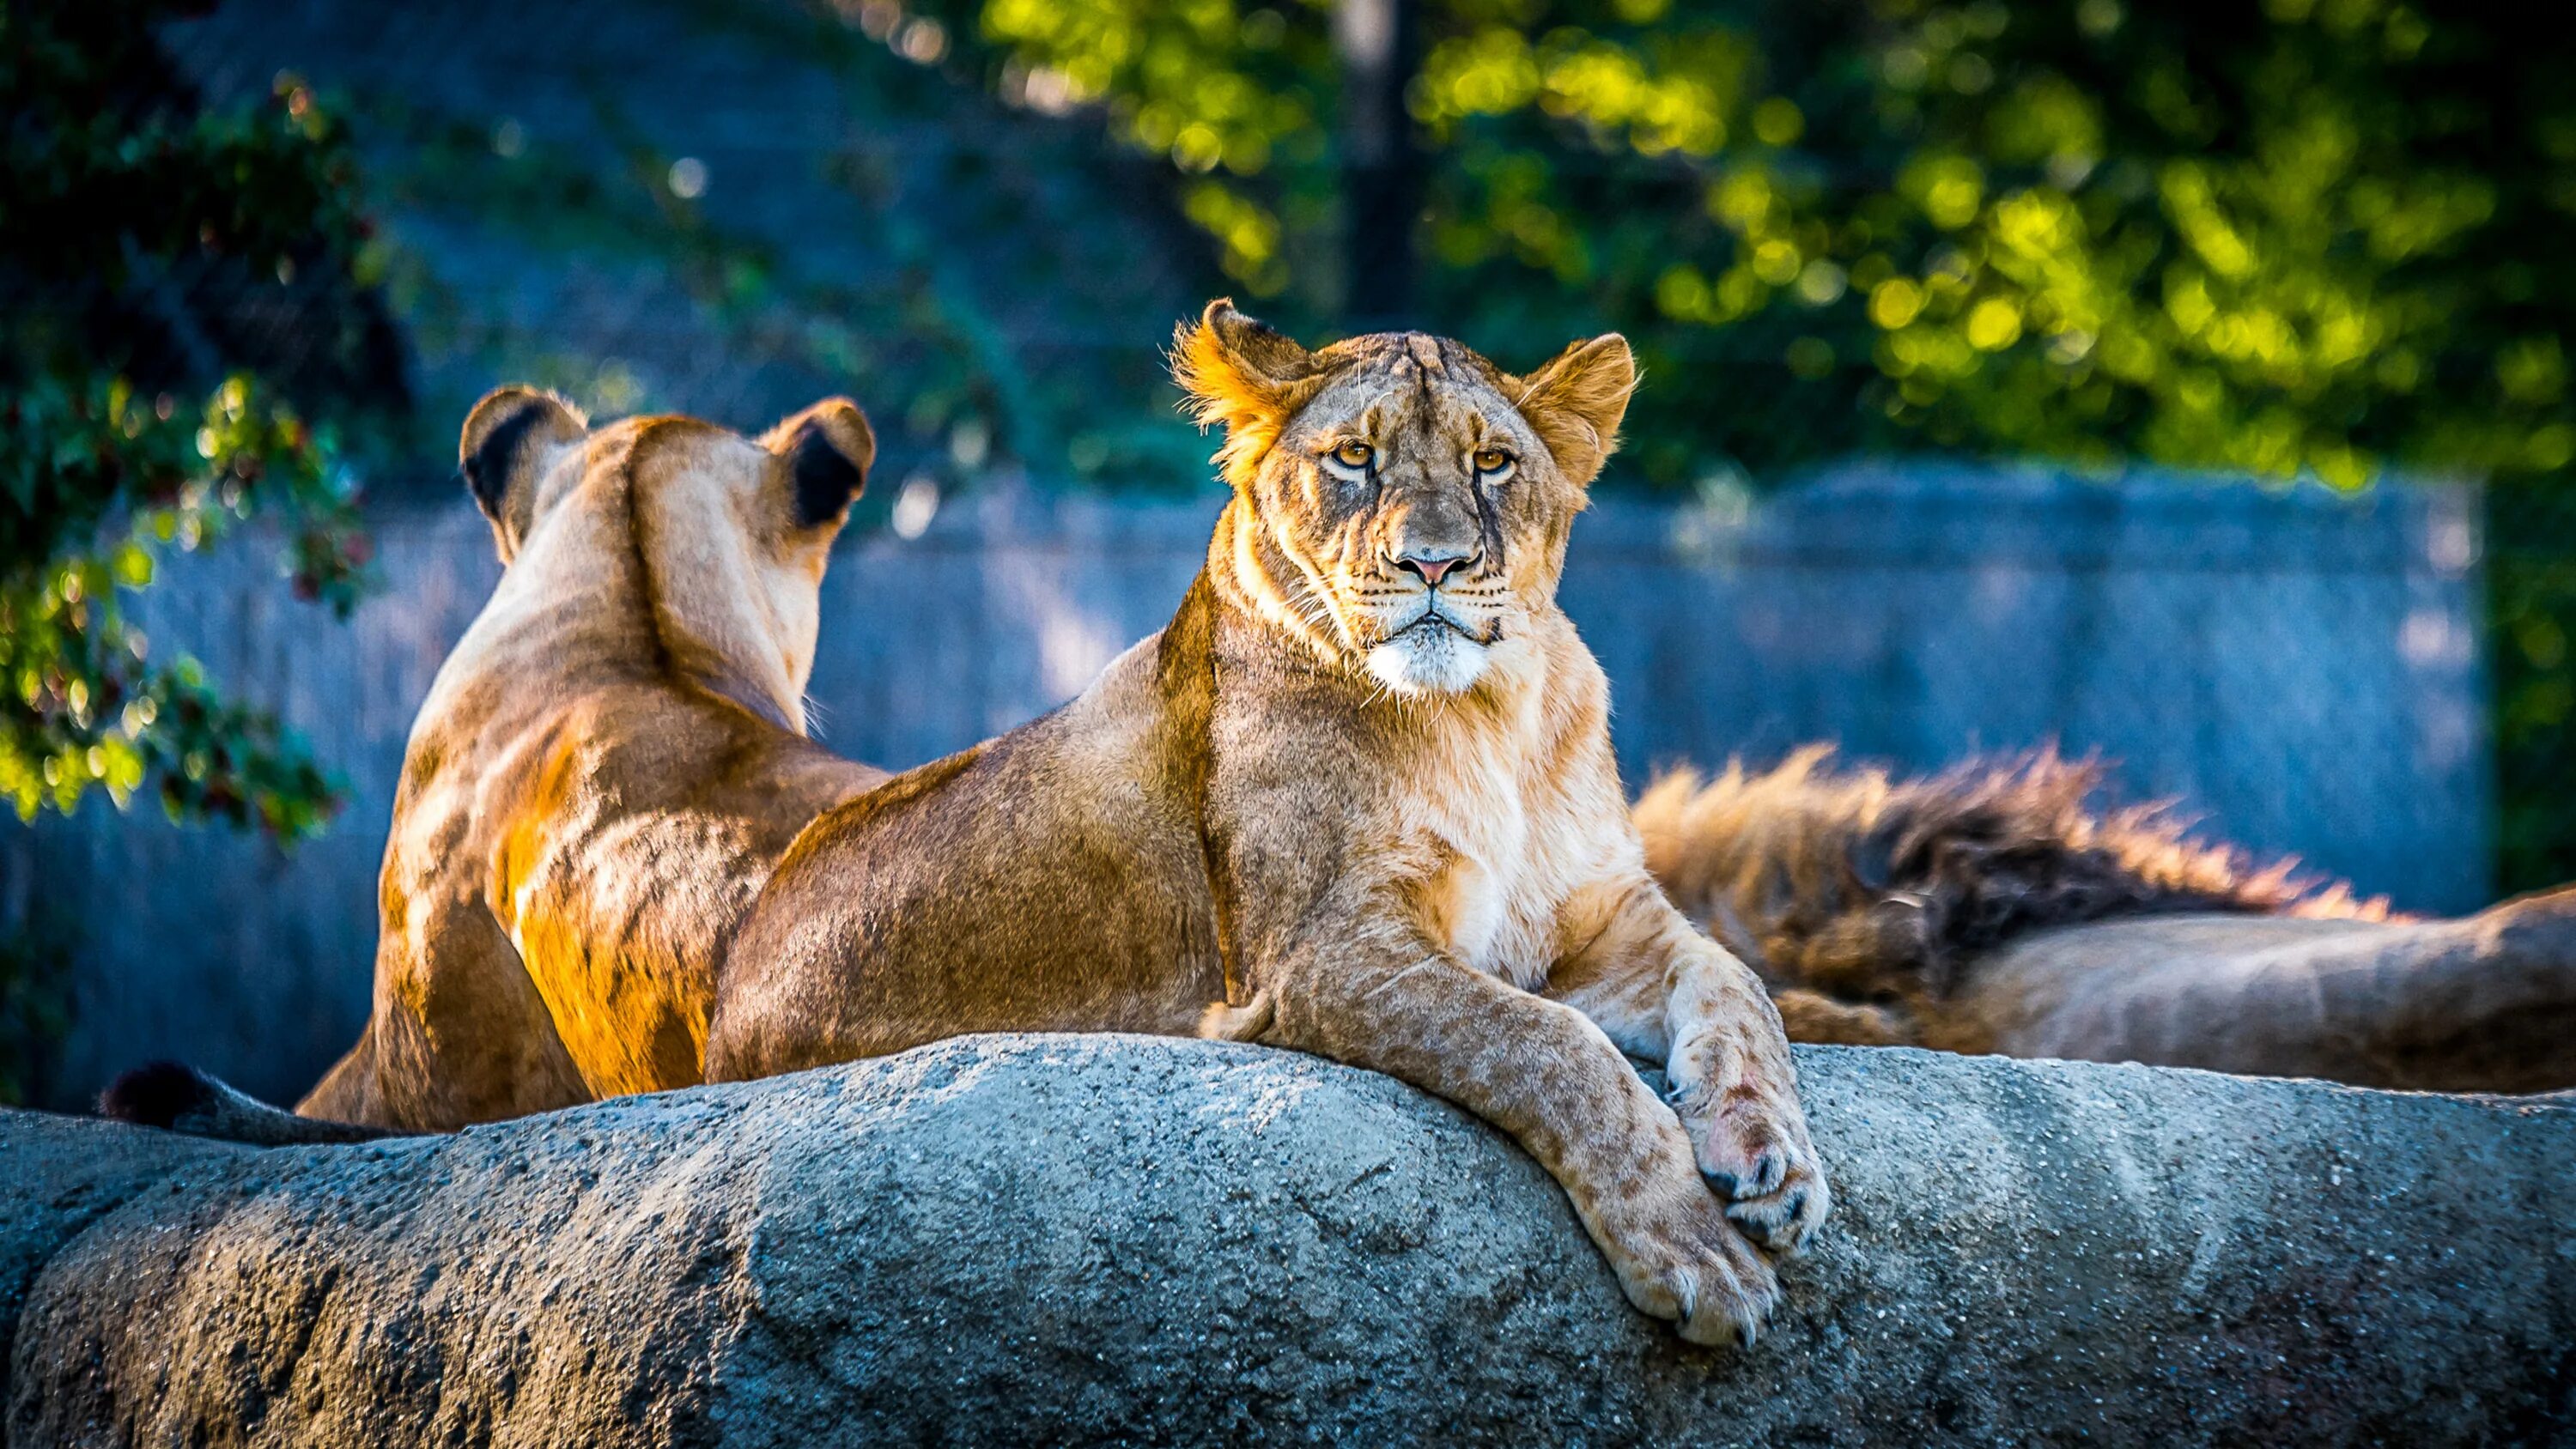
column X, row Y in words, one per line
column 1418, row 496
column 724, row 537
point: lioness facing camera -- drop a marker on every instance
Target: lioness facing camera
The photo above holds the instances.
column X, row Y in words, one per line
column 1360, row 795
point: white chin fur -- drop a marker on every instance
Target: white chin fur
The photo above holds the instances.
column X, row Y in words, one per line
column 1428, row 661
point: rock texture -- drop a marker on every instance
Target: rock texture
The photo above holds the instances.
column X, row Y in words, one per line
column 1110, row 1239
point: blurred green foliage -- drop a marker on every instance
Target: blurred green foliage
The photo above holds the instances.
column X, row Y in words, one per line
column 35, row 1009
column 2279, row 238
column 131, row 429
column 2284, row 237
column 2531, row 588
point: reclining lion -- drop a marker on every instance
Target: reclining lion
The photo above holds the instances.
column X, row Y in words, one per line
column 607, row 770
column 1989, row 909
column 1984, row 909
column 1357, row 799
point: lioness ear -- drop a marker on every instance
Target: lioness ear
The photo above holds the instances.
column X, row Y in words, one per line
column 500, row 454
column 1243, row 375
column 1576, row 401
column 828, row 448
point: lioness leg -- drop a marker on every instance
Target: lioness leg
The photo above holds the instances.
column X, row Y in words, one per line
column 459, row 1033
column 347, row 1092
column 1663, row 991
column 1391, row 1002
column 1819, row 1020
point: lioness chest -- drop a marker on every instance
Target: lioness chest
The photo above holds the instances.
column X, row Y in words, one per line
column 1512, row 817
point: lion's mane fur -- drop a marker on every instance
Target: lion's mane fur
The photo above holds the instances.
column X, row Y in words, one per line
column 1851, row 882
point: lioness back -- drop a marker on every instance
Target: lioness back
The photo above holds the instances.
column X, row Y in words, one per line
column 641, row 825
column 606, row 769
column 1046, row 880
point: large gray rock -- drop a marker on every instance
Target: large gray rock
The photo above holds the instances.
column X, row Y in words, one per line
column 1081, row 1239
column 58, row 1175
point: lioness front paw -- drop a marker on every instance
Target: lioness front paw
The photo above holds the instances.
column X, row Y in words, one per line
column 1679, row 1260
column 1754, row 1151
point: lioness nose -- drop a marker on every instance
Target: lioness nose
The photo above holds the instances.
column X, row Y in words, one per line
column 1432, row 564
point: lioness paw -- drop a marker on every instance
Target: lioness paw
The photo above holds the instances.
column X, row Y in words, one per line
column 1683, row 1263
column 1755, row 1153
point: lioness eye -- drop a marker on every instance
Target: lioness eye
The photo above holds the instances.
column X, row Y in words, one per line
column 1492, row 460
column 1354, row 454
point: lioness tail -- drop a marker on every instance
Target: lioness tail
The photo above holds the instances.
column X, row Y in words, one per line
column 178, row 1097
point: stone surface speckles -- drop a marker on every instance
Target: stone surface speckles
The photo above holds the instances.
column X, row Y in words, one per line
column 1119, row 1239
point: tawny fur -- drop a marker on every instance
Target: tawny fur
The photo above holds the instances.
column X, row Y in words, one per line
column 1279, row 821
column 1339, row 805
column 1995, row 908
column 606, row 768
column 612, row 761
column 1852, row 883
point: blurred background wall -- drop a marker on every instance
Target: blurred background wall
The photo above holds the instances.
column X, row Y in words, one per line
column 1891, row 484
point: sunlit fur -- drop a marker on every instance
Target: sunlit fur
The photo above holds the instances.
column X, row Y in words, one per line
column 1298, row 816
column 1316, row 540
column 607, row 765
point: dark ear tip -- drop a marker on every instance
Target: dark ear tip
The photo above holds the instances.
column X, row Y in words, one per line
column 828, row 457
column 513, row 403
column 488, row 446
column 1227, row 320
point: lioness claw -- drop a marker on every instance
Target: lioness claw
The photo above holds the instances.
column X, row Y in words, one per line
column 1757, row 1158
column 1682, row 1262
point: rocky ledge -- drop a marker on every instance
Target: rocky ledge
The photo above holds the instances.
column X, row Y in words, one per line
column 1119, row 1239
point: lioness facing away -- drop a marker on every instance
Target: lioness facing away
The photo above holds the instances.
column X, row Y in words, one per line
column 603, row 773
column 1359, row 794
